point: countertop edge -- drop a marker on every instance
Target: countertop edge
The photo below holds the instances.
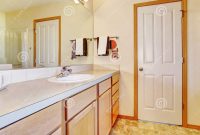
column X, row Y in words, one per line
column 17, row 115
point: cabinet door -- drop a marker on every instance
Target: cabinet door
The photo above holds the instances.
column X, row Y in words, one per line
column 85, row 123
column 105, row 113
column 115, row 112
column 40, row 123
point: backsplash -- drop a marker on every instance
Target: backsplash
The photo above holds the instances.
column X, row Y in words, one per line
column 21, row 75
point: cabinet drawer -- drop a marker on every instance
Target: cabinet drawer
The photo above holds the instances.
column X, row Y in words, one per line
column 115, row 88
column 115, row 97
column 104, row 86
column 40, row 123
column 115, row 79
column 115, row 112
column 57, row 132
column 76, row 103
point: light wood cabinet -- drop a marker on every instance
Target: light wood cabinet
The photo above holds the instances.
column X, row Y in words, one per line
column 115, row 79
column 85, row 123
column 115, row 98
column 105, row 113
column 41, row 123
column 115, row 88
column 115, row 112
column 57, row 132
column 91, row 112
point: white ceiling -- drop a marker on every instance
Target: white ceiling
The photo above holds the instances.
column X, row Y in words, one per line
column 12, row 5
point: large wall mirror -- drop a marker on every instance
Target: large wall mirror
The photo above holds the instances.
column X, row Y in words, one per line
column 42, row 33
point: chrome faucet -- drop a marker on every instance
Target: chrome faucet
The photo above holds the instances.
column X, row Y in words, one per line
column 66, row 70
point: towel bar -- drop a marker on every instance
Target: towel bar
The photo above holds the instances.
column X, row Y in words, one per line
column 90, row 39
column 109, row 37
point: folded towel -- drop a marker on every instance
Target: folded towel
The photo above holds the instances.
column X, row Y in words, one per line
column 115, row 50
column 103, row 45
column 113, row 44
column 79, row 46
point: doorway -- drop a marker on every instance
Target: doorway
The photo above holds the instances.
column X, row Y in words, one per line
column 47, row 42
column 158, row 73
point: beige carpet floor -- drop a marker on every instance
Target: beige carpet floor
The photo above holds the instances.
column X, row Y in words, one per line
column 128, row 127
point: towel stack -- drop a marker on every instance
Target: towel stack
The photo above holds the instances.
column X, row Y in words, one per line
column 104, row 44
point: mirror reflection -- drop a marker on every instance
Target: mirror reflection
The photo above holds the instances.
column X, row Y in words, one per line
column 45, row 33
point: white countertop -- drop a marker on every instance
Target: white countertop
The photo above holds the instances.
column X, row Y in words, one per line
column 23, row 99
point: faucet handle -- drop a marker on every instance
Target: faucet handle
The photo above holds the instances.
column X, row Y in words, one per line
column 69, row 70
column 65, row 67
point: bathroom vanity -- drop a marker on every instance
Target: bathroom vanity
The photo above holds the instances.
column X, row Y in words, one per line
column 89, row 108
column 53, row 34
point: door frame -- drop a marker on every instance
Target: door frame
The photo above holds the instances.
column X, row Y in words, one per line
column 184, row 53
column 59, row 35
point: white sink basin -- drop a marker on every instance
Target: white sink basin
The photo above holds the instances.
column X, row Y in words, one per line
column 72, row 78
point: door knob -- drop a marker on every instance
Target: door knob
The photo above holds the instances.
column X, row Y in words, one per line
column 141, row 69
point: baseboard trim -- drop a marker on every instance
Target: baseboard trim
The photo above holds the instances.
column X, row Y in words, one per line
column 126, row 117
column 193, row 126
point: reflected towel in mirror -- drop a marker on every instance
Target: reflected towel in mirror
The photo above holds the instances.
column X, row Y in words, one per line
column 73, row 50
column 79, row 46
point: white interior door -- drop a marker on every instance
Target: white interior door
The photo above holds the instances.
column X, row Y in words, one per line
column 160, row 63
column 47, row 43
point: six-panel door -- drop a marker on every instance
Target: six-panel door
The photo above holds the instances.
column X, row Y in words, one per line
column 160, row 63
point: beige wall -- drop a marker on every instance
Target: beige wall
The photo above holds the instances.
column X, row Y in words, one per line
column 115, row 17
column 2, row 39
column 79, row 24
column 194, row 62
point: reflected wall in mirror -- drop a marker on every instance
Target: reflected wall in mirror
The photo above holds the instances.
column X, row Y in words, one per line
column 38, row 33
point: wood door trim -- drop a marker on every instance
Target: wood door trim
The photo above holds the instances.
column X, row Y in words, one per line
column 150, row 3
column 184, row 51
column 184, row 74
column 34, row 37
